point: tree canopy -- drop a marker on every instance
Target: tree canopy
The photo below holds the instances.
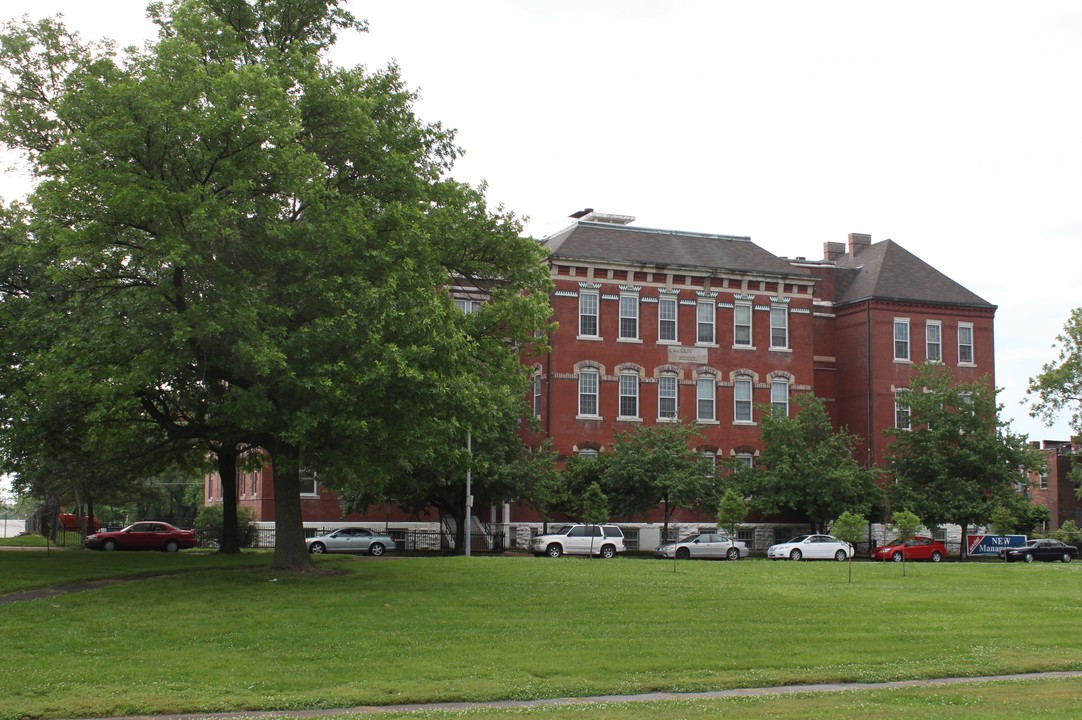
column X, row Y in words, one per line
column 808, row 468
column 243, row 243
column 958, row 460
column 1058, row 387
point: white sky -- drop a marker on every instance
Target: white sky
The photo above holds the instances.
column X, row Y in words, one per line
column 951, row 127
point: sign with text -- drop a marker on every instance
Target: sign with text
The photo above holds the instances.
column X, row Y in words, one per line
column 992, row 544
column 692, row 355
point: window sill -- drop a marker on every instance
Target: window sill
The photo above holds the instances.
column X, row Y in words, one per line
column 745, row 423
column 903, row 361
column 700, row 421
column 706, row 344
column 744, row 347
column 591, row 338
column 629, row 340
column 967, row 364
column 589, row 417
column 621, row 418
column 781, row 349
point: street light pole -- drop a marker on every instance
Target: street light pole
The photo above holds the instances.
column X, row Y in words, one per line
column 469, row 495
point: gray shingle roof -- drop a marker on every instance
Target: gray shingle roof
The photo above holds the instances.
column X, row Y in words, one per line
column 887, row 271
column 665, row 248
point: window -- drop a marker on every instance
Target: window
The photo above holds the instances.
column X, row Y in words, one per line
column 779, row 327
column 588, row 314
column 629, row 395
column 666, row 319
column 742, row 324
column 254, row 486
column 308, row 482
column 901, row 339
column 629, row 316
column 666, row 397
column 710, row 465
column 779, row 397
column 467, row 306
column 965, row 343
column 705, row 321
column 588, row 392
column 537, row 393
column 704, row 398
column 742, row 399
column 588, row 454
column 933, row 341
column 745, row 459
column 901, row 410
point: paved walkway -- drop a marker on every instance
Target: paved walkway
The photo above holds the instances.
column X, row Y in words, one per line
column 645, row 697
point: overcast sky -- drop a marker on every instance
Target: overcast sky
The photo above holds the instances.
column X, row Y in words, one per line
column 953, row 128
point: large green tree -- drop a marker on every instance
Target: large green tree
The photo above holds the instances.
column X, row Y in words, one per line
column 659, row 465
column 1058, row 387
column 260, row 247
column 807, row 467
column 957, row 460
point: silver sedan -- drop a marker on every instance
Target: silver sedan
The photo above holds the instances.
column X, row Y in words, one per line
column 351, row 540
column 704, row 546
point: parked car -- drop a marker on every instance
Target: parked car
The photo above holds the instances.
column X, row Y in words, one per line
column 351, row 540
column 1045, row 549
column 710, row 546
column 70, row 521
column 602, row 540
column 917, row 548
column 811, row 547
column 146, row 535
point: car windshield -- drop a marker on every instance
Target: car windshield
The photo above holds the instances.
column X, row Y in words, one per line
column 797, row 539
column 690, row 538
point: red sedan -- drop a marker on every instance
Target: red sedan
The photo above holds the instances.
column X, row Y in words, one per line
column 917, row 548
column 143, row 536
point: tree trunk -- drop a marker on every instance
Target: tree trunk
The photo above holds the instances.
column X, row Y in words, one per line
column 227, row 471
column 290, row 552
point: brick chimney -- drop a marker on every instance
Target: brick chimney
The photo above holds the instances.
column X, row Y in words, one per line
column 833, row 250
column 858, row 242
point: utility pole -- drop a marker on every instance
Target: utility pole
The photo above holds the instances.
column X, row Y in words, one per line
column 469, row 494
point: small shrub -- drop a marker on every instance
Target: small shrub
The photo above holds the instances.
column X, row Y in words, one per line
column 209, row 524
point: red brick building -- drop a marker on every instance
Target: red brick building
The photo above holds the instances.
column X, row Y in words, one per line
column 1054, row 488
column 656, row 325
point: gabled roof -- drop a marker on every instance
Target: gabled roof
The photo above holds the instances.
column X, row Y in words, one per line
column 606, row 242
column 887, row 271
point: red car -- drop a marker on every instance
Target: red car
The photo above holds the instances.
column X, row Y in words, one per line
column 70, row 521
column 151, row 535
column 917, row 548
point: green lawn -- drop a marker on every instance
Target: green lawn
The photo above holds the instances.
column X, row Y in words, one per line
column 198, row 638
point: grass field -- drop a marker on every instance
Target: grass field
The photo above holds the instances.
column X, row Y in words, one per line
column 215, row 634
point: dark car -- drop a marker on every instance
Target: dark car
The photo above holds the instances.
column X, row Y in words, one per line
column 147, row 535
column 917, row 548
column 1045, row 549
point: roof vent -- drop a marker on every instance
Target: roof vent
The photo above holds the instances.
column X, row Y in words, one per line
column 590, row 216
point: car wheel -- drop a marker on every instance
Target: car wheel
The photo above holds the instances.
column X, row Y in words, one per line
column 897, row 556
column 937, row 556
column 682, row 553
column 554, row 550
column 608, row 552
column 796, row 555
column 376, row 549
column 1028, row 557
column 1066, row 557
column 733, row 554
column 172, row 546
column 840, row 555
column 109, row 545
column 317, row 548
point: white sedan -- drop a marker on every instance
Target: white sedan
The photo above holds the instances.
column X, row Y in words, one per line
column 811, row 547
column 704, row 545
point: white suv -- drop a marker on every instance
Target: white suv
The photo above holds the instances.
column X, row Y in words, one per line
column 602, row 540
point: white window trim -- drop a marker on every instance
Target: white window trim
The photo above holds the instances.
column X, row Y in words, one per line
column 900, row 393
column 928, row 340
column 620, row 325
column 713, row 323
column 675, row 397
column 596, row 315
column 901, row 322
column 785, row 310
column 596, row 395
column 637, row 417
column 713, row 400
column 675, row 319
column 972, row 362
column 750, row 326
column 737, row 382
column 774, row 403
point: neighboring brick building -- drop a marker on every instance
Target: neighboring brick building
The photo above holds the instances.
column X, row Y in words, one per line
column 1053, row 488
